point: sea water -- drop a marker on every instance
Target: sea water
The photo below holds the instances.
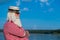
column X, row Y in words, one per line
column 39, row 36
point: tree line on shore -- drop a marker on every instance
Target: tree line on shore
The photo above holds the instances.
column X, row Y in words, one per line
column 42, row 31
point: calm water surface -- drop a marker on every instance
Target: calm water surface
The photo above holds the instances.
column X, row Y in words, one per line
column 39, row 37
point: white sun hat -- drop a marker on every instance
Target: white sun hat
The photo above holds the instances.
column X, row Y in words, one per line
column 14, row 7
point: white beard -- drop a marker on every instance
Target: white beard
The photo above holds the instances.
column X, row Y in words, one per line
column 12, row 17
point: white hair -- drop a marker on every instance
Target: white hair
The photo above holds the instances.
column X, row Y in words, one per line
column 11, row 17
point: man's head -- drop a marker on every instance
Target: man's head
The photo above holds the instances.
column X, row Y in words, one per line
column 13, row 15
column 13, row 11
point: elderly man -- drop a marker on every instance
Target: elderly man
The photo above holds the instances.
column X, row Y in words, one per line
column 13, row 28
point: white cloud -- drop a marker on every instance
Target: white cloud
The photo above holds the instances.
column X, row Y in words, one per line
column 26, row 0
column 43, row 0
column 51, row 9
column 47, row 3
column 25, row 9
column 41, row 5
column 18, row 3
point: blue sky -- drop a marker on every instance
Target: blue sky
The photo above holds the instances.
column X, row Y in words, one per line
column 35, row 14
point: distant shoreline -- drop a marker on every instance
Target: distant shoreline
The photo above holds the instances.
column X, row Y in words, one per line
column 1, row 30
column 42, row 31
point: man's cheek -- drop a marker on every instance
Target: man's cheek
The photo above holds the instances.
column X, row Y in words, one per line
column 16, row 15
